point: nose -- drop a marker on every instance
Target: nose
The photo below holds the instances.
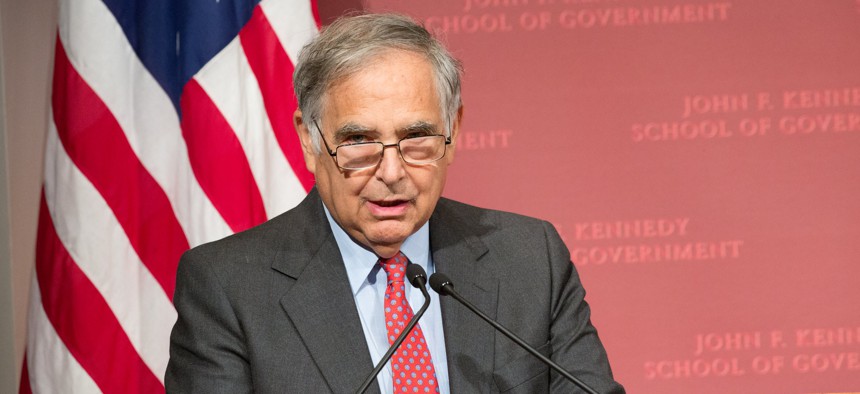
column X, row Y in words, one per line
column 390, row 169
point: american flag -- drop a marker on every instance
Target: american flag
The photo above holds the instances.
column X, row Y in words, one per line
column 170, row 126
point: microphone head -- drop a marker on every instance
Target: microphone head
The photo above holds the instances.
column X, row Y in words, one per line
column 416, row 275
column 439, row 282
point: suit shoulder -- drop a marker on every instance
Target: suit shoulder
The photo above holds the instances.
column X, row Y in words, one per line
column 508, row 232
column 486, row 216
column 298, row 227
column 252, row 238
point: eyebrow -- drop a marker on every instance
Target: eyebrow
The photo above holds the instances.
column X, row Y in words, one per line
column 420, row 126
column 350, row 129
column 354, row 128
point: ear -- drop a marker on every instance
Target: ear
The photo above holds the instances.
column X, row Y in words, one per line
column 455, row 132
column 305, row 137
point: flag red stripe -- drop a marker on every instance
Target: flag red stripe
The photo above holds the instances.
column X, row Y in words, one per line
column 274, row 71
column 97, row 145
column 83, row 320
column 24, row 387
column 316, row 12
column 218, row 161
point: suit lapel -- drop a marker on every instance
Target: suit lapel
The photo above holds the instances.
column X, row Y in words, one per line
column 321, row 307
column 457, row 253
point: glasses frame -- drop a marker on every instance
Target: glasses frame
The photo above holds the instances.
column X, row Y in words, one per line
column 333, row 153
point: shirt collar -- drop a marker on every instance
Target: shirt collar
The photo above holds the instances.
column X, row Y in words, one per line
column 362, row 264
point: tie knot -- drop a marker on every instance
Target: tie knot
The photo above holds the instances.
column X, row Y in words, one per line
column 395, row 267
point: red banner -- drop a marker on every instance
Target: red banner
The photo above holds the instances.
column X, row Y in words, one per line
column 700, row 159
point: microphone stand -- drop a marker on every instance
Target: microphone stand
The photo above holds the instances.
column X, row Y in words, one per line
column 417, row 278
column 442, row 285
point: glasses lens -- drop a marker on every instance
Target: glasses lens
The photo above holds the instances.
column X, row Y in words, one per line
column 358, row 156
column 423, row 150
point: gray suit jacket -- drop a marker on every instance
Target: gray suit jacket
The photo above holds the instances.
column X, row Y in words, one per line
column 270, row 310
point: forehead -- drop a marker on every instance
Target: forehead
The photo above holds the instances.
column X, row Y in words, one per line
column 390, row 90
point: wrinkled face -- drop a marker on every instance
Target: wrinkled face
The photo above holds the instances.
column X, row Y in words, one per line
column 393, row 97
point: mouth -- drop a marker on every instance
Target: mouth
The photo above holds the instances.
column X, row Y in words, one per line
column 391, row 203
column 382, row 209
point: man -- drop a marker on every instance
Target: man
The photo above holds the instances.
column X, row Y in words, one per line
column 311, row 300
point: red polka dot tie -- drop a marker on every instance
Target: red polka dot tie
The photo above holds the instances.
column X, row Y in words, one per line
column 411, row 366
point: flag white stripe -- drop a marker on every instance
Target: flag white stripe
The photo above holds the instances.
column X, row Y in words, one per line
column 101, row 54
column 51, row 367
column 85, row 225
column 99, row 51
column 241, row 103
column 293, row 23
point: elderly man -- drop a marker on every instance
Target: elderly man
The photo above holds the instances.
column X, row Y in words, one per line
column 311, row 300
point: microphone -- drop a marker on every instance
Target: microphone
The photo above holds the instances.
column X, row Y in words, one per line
column 417, row 278
column 443, row 285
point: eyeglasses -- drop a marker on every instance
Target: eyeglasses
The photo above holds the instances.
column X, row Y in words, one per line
column 413, row 150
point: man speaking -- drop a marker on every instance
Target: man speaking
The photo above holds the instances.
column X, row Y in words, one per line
column 311, row 300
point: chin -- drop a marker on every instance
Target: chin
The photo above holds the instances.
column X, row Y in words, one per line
column 390, row 234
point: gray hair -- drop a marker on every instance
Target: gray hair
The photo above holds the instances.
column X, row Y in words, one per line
column 345, row 46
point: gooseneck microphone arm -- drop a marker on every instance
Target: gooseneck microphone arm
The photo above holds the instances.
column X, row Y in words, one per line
column 418, row 278
column 442, row 285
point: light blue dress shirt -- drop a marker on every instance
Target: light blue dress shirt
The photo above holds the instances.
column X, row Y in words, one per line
column 368, row 282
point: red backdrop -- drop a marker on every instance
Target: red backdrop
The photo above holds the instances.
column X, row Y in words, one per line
column 700, row 158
